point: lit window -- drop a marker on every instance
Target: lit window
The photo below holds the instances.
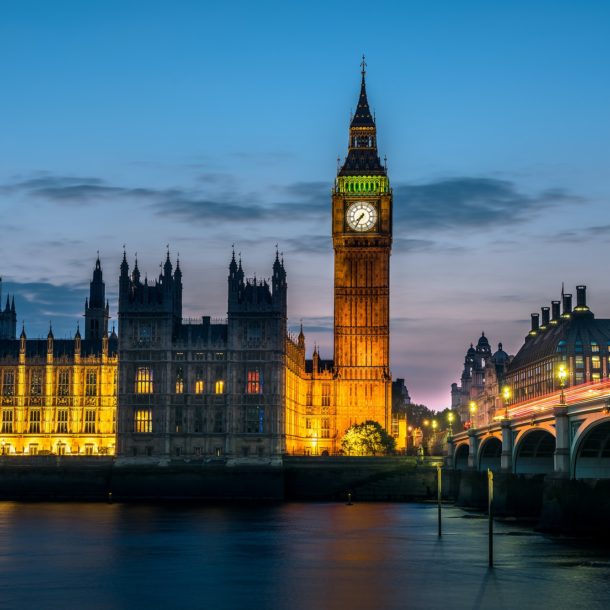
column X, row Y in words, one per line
column 254, row 382
column 595, row 362
column 89, row 421
column 63, row 383
column 579, row 362
column 219, row 387
column 33, row 449
column 325, row 431
column 34, row 427
column 179, row 382
column 325, row 394
column 595, row 377
column 144, row 381
column 7, row 421
column 62, row 421
column 91, row 383
column 36, row 382
column 8, row 383
column 594, row 347
column 143, row 421
column 199, row 386
column 88, row 449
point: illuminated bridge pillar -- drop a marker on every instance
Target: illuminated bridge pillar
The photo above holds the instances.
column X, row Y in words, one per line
column 562, row 441
column 473, row 443
column 506, row 458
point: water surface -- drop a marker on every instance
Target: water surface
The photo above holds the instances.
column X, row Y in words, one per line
column 302, row 556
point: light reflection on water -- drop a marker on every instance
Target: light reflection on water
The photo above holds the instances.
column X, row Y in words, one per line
column 288, row 556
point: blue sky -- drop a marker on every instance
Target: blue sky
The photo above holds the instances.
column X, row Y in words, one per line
column 200, row 125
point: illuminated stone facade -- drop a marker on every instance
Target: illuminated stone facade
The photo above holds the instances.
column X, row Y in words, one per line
column 59, row 395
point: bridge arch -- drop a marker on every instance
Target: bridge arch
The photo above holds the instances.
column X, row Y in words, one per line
column 534, row 452
column 460, row 460
column 591, row 450
column 490, row 451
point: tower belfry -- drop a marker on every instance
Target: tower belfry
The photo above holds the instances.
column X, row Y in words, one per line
column 362, row 240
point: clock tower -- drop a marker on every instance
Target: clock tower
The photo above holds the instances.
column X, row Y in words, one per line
column 362, row 240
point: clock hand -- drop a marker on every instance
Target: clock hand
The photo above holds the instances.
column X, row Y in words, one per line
column 359, row 218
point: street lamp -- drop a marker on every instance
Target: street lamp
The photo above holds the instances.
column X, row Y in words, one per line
column 472, row 407
column 506, row 397
column 450, row 419
column 562, row 374
column 434, row 425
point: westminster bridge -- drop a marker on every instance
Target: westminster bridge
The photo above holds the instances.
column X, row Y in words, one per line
column 563, row 433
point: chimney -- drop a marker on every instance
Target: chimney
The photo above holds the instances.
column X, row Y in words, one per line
column 535, row 324
column 546, row 318
column 567, row 306
column 581, row 297
column 556, row 311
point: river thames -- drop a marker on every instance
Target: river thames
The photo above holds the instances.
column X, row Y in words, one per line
column 307, row 556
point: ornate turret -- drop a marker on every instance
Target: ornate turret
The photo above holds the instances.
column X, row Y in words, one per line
column 8, row 317
column 278, row 282
column 96, row 307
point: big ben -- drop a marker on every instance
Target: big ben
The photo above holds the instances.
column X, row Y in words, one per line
column 362, row 241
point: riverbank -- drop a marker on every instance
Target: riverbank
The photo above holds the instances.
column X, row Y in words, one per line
column 555, row 505
column 291, row 479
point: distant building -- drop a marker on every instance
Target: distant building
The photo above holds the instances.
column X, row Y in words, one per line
column 482, row 378
column 400, row 401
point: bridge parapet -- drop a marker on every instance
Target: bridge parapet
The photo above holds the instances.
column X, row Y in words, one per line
column 573, row 436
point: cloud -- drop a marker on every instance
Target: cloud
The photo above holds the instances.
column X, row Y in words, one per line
column 455, row 203
column 445, row 204
column 578, row 235
column 72, row 190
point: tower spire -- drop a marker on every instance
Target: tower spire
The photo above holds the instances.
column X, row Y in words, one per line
column 362, row 157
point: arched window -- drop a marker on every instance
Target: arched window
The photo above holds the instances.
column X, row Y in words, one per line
column 144, row 380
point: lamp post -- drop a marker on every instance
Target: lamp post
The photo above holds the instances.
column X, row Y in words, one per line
column 506, row 397
column 472, row 408
column 562, row 374
column 450, row 419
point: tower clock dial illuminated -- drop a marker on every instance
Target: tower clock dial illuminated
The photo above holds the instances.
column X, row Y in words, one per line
column 361, row 216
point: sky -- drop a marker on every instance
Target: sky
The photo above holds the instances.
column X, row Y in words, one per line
column 201, row 125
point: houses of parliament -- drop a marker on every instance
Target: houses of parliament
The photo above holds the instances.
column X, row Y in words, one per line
column 167, row 388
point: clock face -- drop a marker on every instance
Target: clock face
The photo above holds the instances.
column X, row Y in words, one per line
column 361, row 216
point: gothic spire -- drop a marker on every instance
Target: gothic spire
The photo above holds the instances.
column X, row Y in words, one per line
column 362, row 157
column 362, row 117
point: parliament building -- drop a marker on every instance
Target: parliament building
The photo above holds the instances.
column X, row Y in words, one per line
column 241, row 387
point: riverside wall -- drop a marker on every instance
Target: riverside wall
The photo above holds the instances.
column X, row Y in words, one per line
column 556, row 505
column 290, row 479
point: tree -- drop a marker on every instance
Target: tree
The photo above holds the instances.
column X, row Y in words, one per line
column 367, row 438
